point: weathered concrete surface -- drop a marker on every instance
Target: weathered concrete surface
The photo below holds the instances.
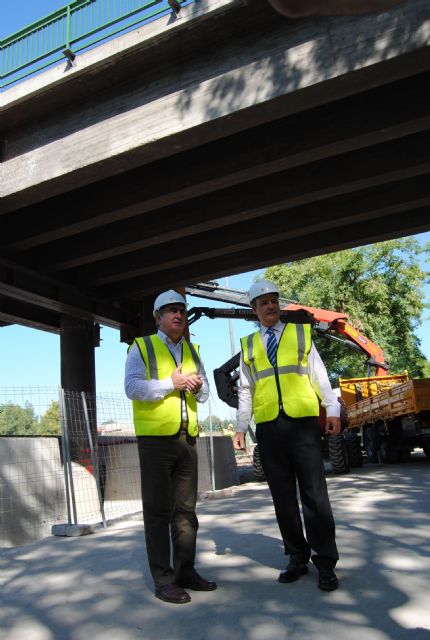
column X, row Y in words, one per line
column 98, row 586
column 246, row 80
column 33, row 493
column 229, row 140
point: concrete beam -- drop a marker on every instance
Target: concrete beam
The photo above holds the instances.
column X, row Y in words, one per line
column 314, row 135
column 306, row 8
column 237, row 89
column 385, row 228
column 30, row 288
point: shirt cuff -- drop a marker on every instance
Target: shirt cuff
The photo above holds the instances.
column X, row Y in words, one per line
column 242, row 427
column 167, row 385
column 333, row 410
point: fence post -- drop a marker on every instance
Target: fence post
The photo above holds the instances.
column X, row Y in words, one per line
column 68, row 473
column 93, row 457
column 212, row 461
column 68, row 28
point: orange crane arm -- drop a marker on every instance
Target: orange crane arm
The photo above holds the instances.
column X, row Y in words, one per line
column 332, row 320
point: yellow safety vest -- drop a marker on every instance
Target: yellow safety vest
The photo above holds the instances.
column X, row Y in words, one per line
column 164, row 417
column 287, row 387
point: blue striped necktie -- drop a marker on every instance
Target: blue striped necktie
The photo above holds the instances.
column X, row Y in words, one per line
column 272, row 346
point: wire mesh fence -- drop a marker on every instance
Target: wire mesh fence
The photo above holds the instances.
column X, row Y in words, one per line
column 75, row 27
column 71, row 458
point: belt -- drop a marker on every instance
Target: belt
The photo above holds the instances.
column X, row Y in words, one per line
column 184, row 427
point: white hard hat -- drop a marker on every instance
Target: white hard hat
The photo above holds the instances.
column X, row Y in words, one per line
column 260, row 288
column 168, row 297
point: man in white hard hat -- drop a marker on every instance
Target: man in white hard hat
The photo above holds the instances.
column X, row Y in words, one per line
column 165, row 378
column 282, row 379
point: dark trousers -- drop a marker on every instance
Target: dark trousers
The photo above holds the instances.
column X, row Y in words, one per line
column 168, row 467
column 290, row 451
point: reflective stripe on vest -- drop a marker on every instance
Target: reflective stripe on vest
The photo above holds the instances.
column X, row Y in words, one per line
column 295, row 394
column 163, row 418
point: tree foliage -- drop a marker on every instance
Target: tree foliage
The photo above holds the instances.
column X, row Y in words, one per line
column 22, row 421
column 218, row 424
column 50, row 421
column 16, row 420
column 381, row 289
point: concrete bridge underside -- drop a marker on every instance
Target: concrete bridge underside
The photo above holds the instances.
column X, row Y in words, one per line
column 223, row 141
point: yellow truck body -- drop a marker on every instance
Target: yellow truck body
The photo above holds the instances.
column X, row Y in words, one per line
column 354, row 390
column 389, row 414
column 410, row 397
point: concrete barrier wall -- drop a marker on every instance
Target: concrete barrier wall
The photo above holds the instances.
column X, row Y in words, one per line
column 32, row 495
column 32, row 487
column 225, row 468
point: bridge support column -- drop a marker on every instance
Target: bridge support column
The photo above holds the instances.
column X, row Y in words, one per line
column 78, row 339
column 78, row 373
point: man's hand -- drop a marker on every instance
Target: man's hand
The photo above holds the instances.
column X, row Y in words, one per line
column 239, row 440
column 332, row 426
column 179, row 379
column 194, row 383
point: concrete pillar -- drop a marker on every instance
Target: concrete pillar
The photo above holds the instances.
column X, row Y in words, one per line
column 78, row 339
column 78, row 373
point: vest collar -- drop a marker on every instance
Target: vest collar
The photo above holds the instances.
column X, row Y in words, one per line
column 278, row 328
column 167, row 341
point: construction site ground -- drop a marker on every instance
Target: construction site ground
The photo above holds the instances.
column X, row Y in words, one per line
column 98, row 587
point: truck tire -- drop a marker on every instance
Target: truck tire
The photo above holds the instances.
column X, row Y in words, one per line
column 370, row 445
column 338, row 454
column 353, row 449
column 258, row 468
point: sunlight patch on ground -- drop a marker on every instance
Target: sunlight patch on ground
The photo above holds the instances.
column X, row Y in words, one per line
column 268, row 631
column 29, row 628
column 404, row 562
column 413, row 583
column 368, row 501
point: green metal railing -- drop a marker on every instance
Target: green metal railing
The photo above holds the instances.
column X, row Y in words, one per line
column 79, row 25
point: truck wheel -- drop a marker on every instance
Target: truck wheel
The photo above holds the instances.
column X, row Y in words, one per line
column 338, row 454
column 370, row 445
column 389, row 452
column 353, row 449
column 256, row 463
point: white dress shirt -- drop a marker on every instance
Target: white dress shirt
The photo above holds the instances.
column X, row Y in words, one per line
column 137, row 387
column 317, row 375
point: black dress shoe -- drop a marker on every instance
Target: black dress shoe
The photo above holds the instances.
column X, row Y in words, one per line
column 327, row 579
column 173, row 593
column 293, row 572
column 197, row 583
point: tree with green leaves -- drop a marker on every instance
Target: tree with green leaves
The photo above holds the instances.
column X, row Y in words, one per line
column 381, row 289
column 50, row 421
column 216, row 424
column 16, row 420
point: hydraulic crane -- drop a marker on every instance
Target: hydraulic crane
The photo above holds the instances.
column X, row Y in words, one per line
column 325, row 322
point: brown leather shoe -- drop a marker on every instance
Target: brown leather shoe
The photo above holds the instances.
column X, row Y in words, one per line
column 197, row 583
column 173, row 593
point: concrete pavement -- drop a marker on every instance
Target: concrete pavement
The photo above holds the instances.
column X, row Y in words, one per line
column 97, row 587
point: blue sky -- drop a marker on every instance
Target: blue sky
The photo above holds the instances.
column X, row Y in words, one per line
column 40, row 351
column 20, row 13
